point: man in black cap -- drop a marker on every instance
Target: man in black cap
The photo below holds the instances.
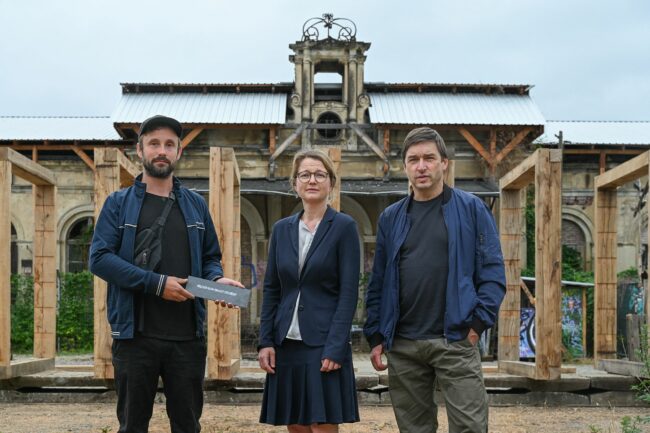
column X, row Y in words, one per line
column 147, row 240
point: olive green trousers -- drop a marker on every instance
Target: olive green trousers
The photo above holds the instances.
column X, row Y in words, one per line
column 414, row 366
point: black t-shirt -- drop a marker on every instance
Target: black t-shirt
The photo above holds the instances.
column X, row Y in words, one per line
column 155, row 316
column 423, row 269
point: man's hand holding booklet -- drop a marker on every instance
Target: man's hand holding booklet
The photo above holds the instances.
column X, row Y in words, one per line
column 214, row 291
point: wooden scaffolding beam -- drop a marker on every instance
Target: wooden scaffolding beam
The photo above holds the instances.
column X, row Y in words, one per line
column 544, row 167
column 44, row 247
column 335, row 155
column 224, row 342
column 5, row 266
column 44, row 265
column 113, row 170
column 511, row 227
column 605, row 249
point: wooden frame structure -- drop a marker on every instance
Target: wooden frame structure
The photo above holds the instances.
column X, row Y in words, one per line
column 335, row 155
column 44, row 246
column 544, row 168
column 493, row 156
column 113, row 171
column 605, row 252
column 224, row 341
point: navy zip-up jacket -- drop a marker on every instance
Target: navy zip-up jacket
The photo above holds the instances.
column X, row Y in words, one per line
column 476, row 280
column 111, row 253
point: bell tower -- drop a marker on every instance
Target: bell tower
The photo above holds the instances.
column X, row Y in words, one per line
column 329, row 47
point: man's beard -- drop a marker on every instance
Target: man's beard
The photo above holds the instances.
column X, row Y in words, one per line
column 159, row 172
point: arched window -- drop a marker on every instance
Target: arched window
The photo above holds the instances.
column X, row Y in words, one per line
column 77, row 244
column 574, row 238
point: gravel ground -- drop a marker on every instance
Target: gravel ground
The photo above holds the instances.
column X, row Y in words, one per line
column 100, row 418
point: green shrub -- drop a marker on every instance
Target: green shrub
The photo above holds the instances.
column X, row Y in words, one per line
column 631, row 273
column 22, row 314
column 74, row 321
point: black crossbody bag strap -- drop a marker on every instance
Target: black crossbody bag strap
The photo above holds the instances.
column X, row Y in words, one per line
column 162, row 219
column 148, row 242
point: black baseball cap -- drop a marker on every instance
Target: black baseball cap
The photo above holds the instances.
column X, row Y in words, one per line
column 159, row 121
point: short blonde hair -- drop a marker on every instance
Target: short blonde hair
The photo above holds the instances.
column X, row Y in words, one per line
column 318, row 155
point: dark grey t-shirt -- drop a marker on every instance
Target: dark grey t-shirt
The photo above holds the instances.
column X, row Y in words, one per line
column 423, row 269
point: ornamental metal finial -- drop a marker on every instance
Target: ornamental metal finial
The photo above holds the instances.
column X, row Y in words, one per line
column 347, row 30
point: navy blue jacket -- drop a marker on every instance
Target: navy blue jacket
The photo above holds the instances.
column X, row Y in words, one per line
column 476, row 279
column 328, row 284
column 111, row 253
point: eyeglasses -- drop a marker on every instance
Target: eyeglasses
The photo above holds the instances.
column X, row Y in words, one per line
column 305, row 176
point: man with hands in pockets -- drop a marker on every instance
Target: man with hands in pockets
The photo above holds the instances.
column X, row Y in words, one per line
column 437, row 282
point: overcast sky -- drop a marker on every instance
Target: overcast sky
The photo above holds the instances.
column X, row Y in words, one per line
column 587, row 59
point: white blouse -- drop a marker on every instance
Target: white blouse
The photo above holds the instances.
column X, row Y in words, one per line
column 305, row 237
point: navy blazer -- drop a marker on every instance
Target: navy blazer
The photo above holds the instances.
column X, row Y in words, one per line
column 329, row 284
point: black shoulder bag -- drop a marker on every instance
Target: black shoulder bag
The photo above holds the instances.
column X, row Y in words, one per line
column 148, row 242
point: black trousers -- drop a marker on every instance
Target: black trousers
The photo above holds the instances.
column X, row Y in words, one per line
column 138, row 364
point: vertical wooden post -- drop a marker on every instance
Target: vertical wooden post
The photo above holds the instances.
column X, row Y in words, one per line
column 273, row 130
column 493, row 143
column 450, row 174
column 548, row 264
column 335, row 155
column 107, row 180
column 235, row 337
column 44, row 248
column 5, row 265
column 386, row 141
column 493, row 152
column 224, row 203
column 544, row 167
column 605, row 249
column 510, row 228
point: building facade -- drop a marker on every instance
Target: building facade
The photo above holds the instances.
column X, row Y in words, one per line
column 489, row 129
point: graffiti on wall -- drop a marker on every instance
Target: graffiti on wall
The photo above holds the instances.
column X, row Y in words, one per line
column 572, row 326
column 527, row 333
column 573, row 322
column 630, row 300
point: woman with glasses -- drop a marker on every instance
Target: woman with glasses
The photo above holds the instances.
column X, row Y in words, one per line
column 310, row 295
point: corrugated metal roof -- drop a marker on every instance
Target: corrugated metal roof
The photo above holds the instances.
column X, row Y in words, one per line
column 219, row 108
column 453, row 109
column 479, row 187
column 57, row 128
column 597, row 132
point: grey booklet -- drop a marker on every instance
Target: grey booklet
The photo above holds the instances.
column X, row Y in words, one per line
column 214, row 291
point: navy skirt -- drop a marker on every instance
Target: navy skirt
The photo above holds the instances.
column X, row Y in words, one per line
column 298, row 393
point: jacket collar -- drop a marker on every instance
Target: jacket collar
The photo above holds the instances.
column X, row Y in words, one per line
column 323, row 228
column 446, row 195
column 141, row 186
